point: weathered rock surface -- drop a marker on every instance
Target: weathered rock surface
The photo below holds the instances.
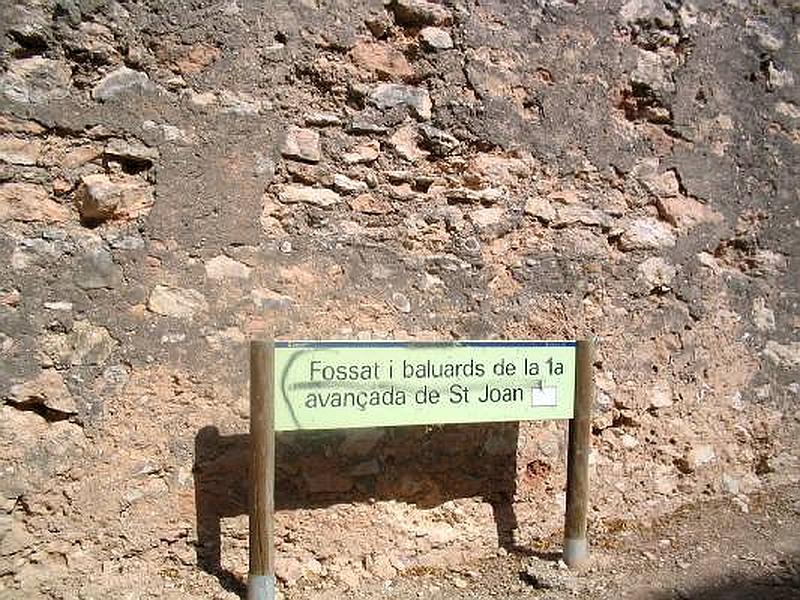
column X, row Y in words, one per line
column 393, row 95
column 35, row 81
column 120, row 83
column 102, row 198
column 28, row 202
column 47, row 390
column 176, row 302
column 301, row 144
column 293, row 194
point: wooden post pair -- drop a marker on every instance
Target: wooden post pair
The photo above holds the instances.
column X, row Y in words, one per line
column 261, row 579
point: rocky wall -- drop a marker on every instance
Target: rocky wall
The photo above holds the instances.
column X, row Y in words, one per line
column 179, row 176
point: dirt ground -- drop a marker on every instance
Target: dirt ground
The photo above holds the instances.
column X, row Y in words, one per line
column 710, row 550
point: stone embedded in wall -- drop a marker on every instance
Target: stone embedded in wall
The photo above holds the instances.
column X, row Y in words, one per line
column 435, row 38
column 577, row 214
column 19, row 151
column 345, row 185
column 656, row 273
column 301, row 144
column 96, row 269
column 684, row 212
column 369, row 204
column 382, row 59
column 86, row 344
column 101, row 198
column 294, row 194
column 393, row 95
column 27, row 202
column 180, row 303
column 224, row 267
column 48, row 390
column 404, row 143
column 420, row 12
column 438, row 141
column 122, row 82
column 786, row 356
column 646, row 233
column 540, row 208
column 487, row 219
column 467, row 195
column 365, row 153
column 35, row 81
column 131, row 150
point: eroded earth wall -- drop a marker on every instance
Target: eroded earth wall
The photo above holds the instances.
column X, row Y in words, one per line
column 178, row 176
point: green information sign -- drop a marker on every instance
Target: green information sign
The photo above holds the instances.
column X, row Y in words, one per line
column 339, row 384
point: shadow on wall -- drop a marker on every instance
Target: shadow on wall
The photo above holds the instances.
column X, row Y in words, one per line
column 422, row 465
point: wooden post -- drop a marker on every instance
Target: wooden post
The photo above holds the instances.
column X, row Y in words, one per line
column 576, row 546
column 261, row 578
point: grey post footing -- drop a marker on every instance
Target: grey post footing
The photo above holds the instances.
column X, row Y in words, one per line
column 261, row 587
column 576, row 551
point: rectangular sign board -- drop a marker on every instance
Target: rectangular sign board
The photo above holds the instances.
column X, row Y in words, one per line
column 342, row 384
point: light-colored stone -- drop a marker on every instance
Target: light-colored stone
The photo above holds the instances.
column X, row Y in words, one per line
column 122, row 82
column 176, row 302
column 684, row 212
column 35, row 80
column 130, row 150
column 660, row 395
column 365, row 153
column 19, row 151
column 540, row 208
column 635, row 11
column 224, row 267
column 294, row 194
column 322, row 119
column 393, row 95
column 369, row 204
column 120, row 197
column 467, row 195
column 96, row 269
column 404, row 143
column 435, row 38
column 487, row 218
column 646, row 233
column 657, row 273
column 11, row 124
column 85, row 345
column 659, row 183
column 301, row 144
column 699, row 455
column 383, row 59
column 577, row 214
column 266, row 299
column 763, row 317
column 783, row 355
column 345, row 185
column 47, row 389
column 420, row 12
column 26, row 202
column 650, row 73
